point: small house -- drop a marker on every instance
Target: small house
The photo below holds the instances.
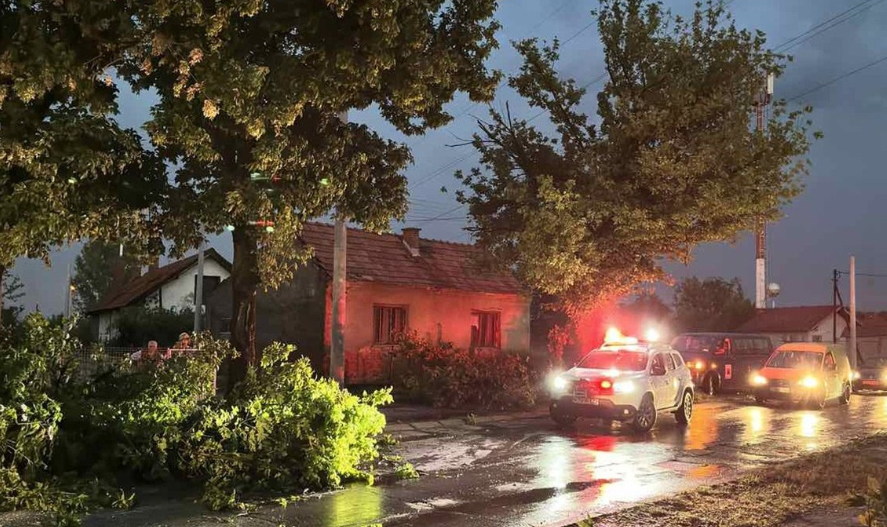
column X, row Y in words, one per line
column 798, row 324
column 171, row 286
column 395, row 283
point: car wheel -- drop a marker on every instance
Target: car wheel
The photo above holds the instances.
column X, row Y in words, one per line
column 685, row 411
column 710, row 384
column 563, row 419
column 845, row 395
column 817, row 402
column 645, row 417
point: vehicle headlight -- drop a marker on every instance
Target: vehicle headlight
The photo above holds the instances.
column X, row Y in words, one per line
column 699, row 365
column 856, row 375
column 809, row 382
column 559, row 384
column 759, row 380
column 624, row 387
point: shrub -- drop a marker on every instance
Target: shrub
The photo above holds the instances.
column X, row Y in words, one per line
column 282, row 430
column 445, row 376
column 137, row 325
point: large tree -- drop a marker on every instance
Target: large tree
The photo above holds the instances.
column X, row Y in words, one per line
column 250, row 98
column 713, row 304
column 96, row 268
column 11, row 291
column 670, row 159
column 67, row 169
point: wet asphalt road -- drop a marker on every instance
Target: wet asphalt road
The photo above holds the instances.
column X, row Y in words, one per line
column 528, row 472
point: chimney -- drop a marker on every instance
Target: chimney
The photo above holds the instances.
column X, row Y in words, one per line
column 411, row 239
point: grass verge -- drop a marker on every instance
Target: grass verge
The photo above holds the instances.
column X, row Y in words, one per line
column 770, row 496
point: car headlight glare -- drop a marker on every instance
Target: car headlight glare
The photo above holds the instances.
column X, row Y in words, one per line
column 700, row 365
column 759, row 380
column 809, row 382
column 559, row 384
column 623, row 387
column 856, row 375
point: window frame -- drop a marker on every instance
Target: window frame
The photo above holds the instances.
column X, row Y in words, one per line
column 377, row 323
column 477, row 322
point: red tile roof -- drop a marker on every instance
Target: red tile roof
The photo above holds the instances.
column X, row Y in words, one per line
column 869, row 325
column 786, row 319
column 384, row 258
column 141, row 287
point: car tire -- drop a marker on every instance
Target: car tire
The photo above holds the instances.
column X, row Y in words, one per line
column 817, row 402
column 711, row 384
column 685, row 411
column 645, row 417
column 562, row 419
column 845, row 395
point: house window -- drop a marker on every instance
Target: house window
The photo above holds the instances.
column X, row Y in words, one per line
column 388, row 323
column 485, row 329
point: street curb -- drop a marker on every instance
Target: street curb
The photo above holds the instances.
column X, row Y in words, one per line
column 424, row 425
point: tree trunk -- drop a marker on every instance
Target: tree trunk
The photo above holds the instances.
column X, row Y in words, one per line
column 2, row 276
column 245, row 283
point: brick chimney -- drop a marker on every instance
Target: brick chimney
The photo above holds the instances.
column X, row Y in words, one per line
column 411, row 239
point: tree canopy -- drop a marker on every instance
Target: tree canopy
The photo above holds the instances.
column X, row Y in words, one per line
column 67, row 169
column 670, row 159
column 712, row 304
column 95, row 270
column 251, row 96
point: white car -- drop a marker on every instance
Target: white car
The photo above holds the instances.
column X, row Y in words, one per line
column 629, row 382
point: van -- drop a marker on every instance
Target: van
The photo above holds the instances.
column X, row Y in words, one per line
column 806, row 372
column 722, row 361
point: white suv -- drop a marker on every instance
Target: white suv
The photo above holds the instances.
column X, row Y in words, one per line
column 625, row 382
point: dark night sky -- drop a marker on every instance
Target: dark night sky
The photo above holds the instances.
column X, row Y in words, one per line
column 842, row 211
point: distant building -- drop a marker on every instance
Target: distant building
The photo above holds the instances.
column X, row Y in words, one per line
column 798, row 324
column 871, row 336
column 396, row 283
column 169, row 287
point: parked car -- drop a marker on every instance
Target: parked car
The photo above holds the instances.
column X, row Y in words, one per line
column 806, row 372
column 625, row 382
column 871, row 376
column 722, row 361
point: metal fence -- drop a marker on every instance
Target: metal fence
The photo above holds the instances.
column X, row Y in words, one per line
column 97, row 360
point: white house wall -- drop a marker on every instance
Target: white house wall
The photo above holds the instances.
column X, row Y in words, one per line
column 179, row 292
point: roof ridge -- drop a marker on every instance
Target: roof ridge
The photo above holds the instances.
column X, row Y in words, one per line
column 364, row 231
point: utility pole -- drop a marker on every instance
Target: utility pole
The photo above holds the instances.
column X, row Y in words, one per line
column 69, row 296
column 852, row 351
column 834, row 306
column 761, row 228
column 198, row 290
column 340, row 248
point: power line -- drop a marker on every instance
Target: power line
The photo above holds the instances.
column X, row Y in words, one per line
column 505, row 81
column 839, row 78
column 799, row 39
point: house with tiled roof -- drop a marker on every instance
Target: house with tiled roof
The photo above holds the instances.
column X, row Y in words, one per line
column 171, row 286
column 871, row 336
column 798, row 324
column 395, row 283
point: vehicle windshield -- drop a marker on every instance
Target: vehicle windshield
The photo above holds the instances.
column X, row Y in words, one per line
column 693, row 343
column 795, row 360
column 615, row 360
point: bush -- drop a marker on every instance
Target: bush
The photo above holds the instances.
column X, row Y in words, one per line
column 282, row 430
column 445, row 376
column 137, row 325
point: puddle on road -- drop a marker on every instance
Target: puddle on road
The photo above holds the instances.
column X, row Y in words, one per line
column 552, row 475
